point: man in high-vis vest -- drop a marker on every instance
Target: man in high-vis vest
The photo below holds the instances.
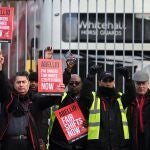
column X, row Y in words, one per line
column 57, row 139
column 70, row 63
column 107, row 122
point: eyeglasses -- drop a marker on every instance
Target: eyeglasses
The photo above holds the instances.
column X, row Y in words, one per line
column 140, row 83
column 74, row 83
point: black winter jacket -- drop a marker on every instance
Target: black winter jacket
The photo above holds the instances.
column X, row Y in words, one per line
column 140, row 141
column 57, row 136
column 111, row 130
column 10, row 100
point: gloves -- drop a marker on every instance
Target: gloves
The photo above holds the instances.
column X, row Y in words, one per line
column 95, row 69
column 85, row 124
column 125, row 72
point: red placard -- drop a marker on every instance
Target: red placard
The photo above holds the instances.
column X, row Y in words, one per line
column 50, row 76
column 6, row 23
column 71, row 120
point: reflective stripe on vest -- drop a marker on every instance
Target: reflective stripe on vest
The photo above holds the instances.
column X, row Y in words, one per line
column 124, row 120
column 52, row 114
column 94, row 119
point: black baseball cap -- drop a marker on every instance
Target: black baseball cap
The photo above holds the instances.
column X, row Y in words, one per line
column 106, row 76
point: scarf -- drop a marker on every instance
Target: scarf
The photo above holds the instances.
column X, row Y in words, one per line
column 140, row 104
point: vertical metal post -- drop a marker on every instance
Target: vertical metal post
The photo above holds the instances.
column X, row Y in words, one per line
column 8, row 68
column 52, row 11
column 69, row 25
column 87, row 30
column 35, row 34
column 133, row 27
column 42, row 36
column 78, row 60
column 26, row 36
column 60, row 28
column 17, row 44
column 8, row 58
column 142, row 43
column 114, row 64
column 105, row 35
column 124, row 37
column 96, row 37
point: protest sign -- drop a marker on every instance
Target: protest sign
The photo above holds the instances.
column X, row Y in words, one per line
column 50, row 76
column 71, row 121
column 6, row 23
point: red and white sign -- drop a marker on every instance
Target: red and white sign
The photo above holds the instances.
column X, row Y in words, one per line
column 71, row 120
column 6, row 23
column 50, row 76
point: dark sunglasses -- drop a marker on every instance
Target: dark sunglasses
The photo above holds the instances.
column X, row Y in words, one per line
column 74, row 82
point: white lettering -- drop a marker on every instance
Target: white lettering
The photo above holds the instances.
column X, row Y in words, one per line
column 103, row 25
column 3, row 18
column 71, row 124
column 47, row 86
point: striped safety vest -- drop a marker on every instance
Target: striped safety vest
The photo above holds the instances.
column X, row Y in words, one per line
column 52, row 114
column 94, row 119
column 52, row 118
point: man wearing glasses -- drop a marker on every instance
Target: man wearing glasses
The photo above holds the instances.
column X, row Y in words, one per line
column 58, row 140
column 139, row 113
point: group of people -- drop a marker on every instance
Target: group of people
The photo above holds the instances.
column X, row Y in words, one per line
column 115, row 120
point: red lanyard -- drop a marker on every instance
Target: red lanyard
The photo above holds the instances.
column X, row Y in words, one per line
column 140, row 105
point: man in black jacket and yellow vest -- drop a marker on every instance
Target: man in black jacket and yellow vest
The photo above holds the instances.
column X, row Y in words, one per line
column 19, row 115
column 58, row 141
column 107, row 122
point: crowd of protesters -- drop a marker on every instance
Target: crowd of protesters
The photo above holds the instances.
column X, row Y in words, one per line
column 114, row 120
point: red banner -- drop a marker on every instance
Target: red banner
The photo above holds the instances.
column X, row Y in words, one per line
column 71, row 120
column 50, row 76
column 6, row 23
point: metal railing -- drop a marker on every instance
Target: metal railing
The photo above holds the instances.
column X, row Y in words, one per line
column 107, row 32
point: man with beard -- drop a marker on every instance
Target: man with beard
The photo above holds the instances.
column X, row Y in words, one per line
column 107, row 122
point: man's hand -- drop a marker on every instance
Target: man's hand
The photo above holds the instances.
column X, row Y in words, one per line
column 1, row 60
column 70, row 60
column 70, row 64
column 85, row 124
column 95, row 69
column 124, row 71
column 48, row 52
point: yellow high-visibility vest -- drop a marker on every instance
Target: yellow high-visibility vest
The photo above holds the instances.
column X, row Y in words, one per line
column 94, row 119
column 52, row 114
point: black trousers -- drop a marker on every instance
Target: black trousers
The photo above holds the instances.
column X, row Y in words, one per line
column 13, row 144
column 55, row 146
